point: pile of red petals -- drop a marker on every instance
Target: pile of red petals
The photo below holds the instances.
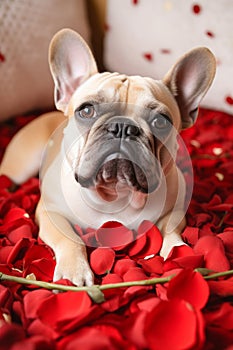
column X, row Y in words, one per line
column 188, row 312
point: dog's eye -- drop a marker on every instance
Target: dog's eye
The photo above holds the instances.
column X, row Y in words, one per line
column 161, row 122
column 87, row 111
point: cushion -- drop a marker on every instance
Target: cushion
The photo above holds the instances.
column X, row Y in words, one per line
column 27, row 27
column 147, row 37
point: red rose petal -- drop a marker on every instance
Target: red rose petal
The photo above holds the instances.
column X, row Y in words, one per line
column 19, row 250
column 180, row 251
column 221, row 317
column 97, row 337
column 210, row 34
column 4, row 254
column 10, row 334
column 154, row 239
column 33, row 300
column 38, row 252
column 172, row 325
column 43, row 269
column 227, row 238
column 37, row 327
column 2, row 57
column 111, row 278
column 134, row 274
column 14, row 214
column 23, row 231
column 191, row 235
column 196, row 9
column 136, row 247
column 229, row 100
column 222, row 288
column 134, row 330
column 123, row 265
column 165, row 51
column 5, row 182
column 152, row 265
column 102, row 260
column 64, row 307
column 148, row 56
column 190, row 262
column 190, row 286
column 214, row 254
column 114, row 235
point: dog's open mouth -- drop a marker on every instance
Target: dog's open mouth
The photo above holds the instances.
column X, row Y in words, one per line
column 117, row 175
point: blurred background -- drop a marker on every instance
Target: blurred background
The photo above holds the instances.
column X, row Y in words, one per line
column 128, row 36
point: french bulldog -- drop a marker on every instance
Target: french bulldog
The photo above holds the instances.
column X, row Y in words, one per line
column 111, row 150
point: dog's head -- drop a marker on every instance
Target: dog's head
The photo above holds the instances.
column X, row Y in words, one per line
column 126, row 125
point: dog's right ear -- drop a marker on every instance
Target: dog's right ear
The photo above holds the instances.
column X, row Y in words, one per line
column 71, row 63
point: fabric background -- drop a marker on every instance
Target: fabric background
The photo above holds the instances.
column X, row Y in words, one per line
column 147, row 37
column 26, row 29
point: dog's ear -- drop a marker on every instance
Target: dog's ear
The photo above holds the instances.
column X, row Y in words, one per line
column 189, row 80
column 71, row 63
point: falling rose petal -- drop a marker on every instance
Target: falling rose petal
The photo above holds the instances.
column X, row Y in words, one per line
column 114, row 235
column 180, row 318
column 102, row 260
column 214, row 253
column 190, row 286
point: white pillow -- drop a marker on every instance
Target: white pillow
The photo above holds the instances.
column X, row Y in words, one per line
column 26, row 29
column 147, row 37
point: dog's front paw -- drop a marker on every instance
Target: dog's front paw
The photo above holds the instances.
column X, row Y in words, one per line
column 73, row 265
column 170, row 241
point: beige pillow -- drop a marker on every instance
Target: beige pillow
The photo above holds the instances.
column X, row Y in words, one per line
column 26, row 28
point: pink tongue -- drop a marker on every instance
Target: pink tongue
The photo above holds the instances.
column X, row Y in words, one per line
column 138, row 200
column 106, row 193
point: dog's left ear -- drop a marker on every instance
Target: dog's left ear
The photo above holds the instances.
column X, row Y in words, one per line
column 71, row 63
column 189, row 80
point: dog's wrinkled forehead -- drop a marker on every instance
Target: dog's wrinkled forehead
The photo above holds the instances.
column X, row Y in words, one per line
column 132, row 90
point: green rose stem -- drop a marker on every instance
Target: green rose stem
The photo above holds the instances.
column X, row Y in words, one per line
column 95, row 291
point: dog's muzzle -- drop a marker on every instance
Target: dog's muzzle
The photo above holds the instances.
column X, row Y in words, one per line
column 121, row 158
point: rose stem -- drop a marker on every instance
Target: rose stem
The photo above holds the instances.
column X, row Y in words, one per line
column 153, row 281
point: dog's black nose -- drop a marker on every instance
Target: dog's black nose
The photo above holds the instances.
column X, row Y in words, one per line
column 123, row 130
